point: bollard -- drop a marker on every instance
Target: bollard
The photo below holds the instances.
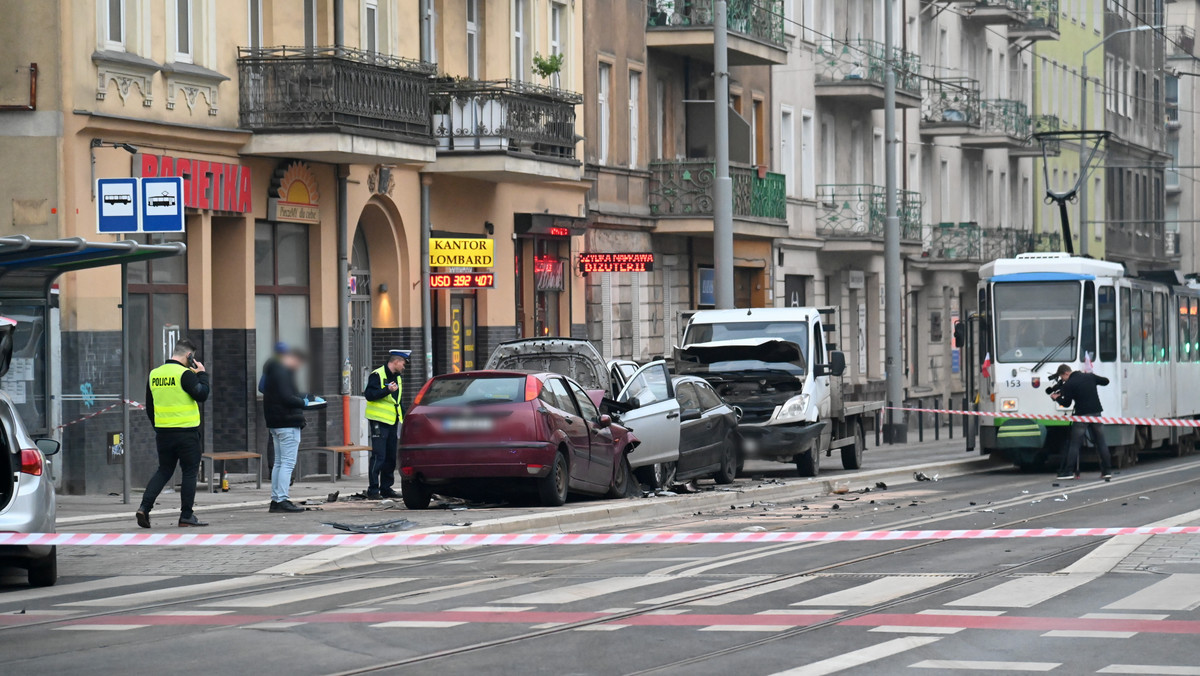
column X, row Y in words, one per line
column 966, row 427
column 878, row 428
column 937, row 420
column 920, row 422
column 949, row 421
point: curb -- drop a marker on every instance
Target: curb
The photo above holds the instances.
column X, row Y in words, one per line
column 622, row 513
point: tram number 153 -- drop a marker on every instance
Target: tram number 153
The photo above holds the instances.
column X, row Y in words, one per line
column 1013, row 382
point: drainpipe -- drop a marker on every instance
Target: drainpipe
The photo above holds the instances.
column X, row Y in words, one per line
column 343, row 234
column 426, row 224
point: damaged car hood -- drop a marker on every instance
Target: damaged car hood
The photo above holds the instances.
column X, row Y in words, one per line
column 766, row 350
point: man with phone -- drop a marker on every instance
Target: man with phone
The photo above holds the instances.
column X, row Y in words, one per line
column 174, row 392
column 1079, row 388
column 382, row 392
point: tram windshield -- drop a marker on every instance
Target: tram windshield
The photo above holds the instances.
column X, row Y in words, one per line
column 1036, row 321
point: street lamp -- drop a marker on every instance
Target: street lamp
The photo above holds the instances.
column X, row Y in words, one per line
column 1083, row 116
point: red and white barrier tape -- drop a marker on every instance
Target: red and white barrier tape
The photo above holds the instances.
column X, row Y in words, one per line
column 1152, row 422
column 102, row 411
column 482, row 539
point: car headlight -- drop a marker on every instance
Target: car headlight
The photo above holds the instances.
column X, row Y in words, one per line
column 793, row 409
column 1008, row 405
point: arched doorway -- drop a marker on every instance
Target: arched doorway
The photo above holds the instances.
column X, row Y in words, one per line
column 378, row 256
column 360, row 312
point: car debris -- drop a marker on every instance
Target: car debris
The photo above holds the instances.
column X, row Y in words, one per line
column 392, row 526
column 881, row 486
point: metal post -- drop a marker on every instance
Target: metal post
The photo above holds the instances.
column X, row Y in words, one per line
column 126, row 462
column 343, row 247
column 723, row 204
column 891, row 247
column 937, row 420
column 921, row 422
column 1083, row 162
column 426, row 218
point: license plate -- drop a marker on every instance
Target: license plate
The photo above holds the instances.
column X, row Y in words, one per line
column 467, row 424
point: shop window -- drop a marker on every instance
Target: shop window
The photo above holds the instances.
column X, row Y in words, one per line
column 280, row 287
column 548, row 284
column 158, row 309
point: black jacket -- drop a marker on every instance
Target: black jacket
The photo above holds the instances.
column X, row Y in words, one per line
column 195, row 384
column 283, row 405
column 1080, row 389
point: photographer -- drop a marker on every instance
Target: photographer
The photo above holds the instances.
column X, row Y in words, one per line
column 1079, row 388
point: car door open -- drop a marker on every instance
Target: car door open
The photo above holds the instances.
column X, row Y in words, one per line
column 653, row 415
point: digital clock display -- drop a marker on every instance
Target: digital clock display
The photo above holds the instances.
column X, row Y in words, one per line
column 462, row 280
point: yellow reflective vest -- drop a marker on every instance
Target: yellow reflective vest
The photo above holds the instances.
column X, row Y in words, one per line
column 173, row 406
column 386, row 410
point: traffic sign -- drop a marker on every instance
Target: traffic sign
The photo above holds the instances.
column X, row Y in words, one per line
column 117, row 205
column 162, row 204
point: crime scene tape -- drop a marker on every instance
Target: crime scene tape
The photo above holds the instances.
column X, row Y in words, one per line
column 484, row 539
column 1151, row 422
column 102, row 411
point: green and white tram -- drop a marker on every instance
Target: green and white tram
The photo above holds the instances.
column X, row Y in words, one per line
column 1044, row 309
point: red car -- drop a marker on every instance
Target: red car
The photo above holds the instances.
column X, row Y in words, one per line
column 477, row 432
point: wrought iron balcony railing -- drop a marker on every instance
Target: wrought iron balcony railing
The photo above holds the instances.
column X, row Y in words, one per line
column 1006, row 117
column 1038, row 15
column 685, row 188
column 301, row 89
column 1046, row 242
column 951, row 102
column 504, row 116
column 1181, row 40
column 758, row 19
column 856, row 210
column 970, row 242
column 866, row 60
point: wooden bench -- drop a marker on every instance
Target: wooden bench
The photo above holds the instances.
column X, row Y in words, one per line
column 336, row 453
column 210, row 460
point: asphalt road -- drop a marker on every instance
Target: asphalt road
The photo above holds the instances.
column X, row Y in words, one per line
column 1059, row 605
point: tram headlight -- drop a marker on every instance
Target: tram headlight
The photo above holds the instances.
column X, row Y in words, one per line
column 1009, row 405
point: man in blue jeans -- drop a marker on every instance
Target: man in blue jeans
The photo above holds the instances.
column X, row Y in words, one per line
column 283, row 407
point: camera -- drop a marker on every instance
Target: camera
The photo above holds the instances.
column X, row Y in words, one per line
column 1056, row 387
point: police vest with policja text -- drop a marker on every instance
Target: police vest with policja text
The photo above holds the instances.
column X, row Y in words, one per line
column 387, row 409
column 173, row 406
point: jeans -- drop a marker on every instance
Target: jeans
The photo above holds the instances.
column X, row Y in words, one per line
column 287, row 446
column 381, row 473
column 175, row 447
column 1070, row 463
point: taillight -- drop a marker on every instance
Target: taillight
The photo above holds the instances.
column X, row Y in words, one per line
column 421, row 394
column 533, row 388
column 31, row 461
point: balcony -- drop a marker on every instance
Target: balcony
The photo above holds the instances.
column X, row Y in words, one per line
column 1181, row 41
column 854, row 71
column 682, row 192
column 335, row 105
column 685, row 27
column 1047, row 242
column 993, row 12
column 504, row 130
column 970, row 242
column 853, row 211
column 1038, row 21
column 1033, row 147
column 1004, row 123
column 950, row 107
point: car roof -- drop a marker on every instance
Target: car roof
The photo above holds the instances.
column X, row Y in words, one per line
column 763, row 314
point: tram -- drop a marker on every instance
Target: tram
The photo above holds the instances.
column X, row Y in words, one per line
column 1040, row 310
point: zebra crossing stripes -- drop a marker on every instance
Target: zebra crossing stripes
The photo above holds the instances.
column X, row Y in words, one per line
column 1180, row 591
column 286, row 596
column 1025, row 592
column 878, row 591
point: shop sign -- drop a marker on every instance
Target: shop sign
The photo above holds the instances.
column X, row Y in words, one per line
column 219, row 186
column 297, row 199
column 708, row 294
column 858, row 279
column 616, row 262
column 548, row 273
column 462, row 280
column 456, row 342
column 464, row 252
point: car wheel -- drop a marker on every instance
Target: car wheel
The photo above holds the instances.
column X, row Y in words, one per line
column 664, row 474
column 415, row 495
column 44, row 571
column 623, row 482
column 852, row 455
column 729, row 462
column 552, row 489
column 808, row 463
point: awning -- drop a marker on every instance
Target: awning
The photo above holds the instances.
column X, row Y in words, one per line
column 29, row 267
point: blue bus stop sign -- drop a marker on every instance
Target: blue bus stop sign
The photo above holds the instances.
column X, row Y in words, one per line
column 117, row 205
column 162, row 204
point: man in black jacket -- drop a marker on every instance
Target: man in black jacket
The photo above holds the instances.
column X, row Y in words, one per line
column 283, row 407
column 1079, row 388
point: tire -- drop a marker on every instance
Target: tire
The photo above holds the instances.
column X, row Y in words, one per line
column 552, row 488
column 852, row 455
column 729, row 463
column 415, row 495
column 623, row 481
column 808, row 463
column 44, row 571
column 1186, row 446
column 664, row 474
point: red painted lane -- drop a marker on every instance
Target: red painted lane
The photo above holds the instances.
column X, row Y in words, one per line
column 1015, row 623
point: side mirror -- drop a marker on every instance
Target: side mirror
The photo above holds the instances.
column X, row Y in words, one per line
column 737, row 410
column 690, row 414
column 604, row 421
column 836, row 366
column 48, row 447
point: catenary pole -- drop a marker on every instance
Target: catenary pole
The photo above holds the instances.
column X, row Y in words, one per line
column 426, row 222
column 723, row 202
column 891, row 248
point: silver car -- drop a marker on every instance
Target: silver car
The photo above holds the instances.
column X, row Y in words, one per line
column 27, row 501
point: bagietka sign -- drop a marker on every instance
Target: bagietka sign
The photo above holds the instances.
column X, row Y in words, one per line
column 216, row 186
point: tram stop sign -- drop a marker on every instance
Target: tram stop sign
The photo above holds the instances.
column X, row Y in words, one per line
column 162, row 204
column 129, row 205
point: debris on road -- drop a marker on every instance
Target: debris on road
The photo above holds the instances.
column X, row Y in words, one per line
column 880, row 485
column 921, row 476
column 393, row 526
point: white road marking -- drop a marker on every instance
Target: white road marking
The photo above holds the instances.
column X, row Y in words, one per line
column 720, row 586
column 79, row 587
column 800, row 611
column 279, row 598
column 601, row 627
column 986, row 666
column 1025, row 592
column 747, row 627
column 190, row 613
column 274, row 625
column 451, row 591
column 974, row 613
column 586, row 590
column 1150, row 670
column 742, row 595
column 547, row 625
column 491, row 609
column 1106, row 557
column 878, row 591
column 416, row 624
column 862, row 656
column 541, row 562
column 661, row 559
column 100, row 627
column 1123, row 616
column 171, row 593
column 1083, row 633
column 892, row 629
column 1180, row 591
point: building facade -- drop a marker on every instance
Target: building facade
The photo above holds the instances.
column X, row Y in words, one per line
column 1182, row 98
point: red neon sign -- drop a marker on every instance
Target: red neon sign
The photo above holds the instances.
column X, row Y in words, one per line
column 616, row 262
column 462, row 280
column 559, row 232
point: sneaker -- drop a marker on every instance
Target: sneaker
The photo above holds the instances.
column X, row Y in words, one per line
column 191, row 522
column 1063, row 476
column 1106, row 476
column 389, row 493
column 285, row 506
column 374, row 495
column 143, row 519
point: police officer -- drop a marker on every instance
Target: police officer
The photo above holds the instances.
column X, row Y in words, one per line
column 174, row 393
column 383, row 392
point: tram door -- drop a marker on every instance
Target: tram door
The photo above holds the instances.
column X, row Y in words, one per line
column 360, row 315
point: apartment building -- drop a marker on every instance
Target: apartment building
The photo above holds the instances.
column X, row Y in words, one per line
column 290, row 121
column 1182, row 100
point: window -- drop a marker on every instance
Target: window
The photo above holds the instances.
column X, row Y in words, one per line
column 603, row 119
column 758, row 133
column 310, row 23
column 686, row 395
column 158, row 308
column 828, row 153
column 635, row 112
column 586, row 408
column 555, row 393
column 1126, row 322
column 183, row 30
column 708, row 399
column 809, row 19
column 280, row 286
column 1194, row 325
column 787, row 149
column 114, row 24
column 1161, row 330
column 660, row 120
column 1087, row 333
column 557, row 12
column 520, row 40
column 1107, row 303
column 473, row 39
column 808, row 159
column 371, row 26
column 254, row 22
